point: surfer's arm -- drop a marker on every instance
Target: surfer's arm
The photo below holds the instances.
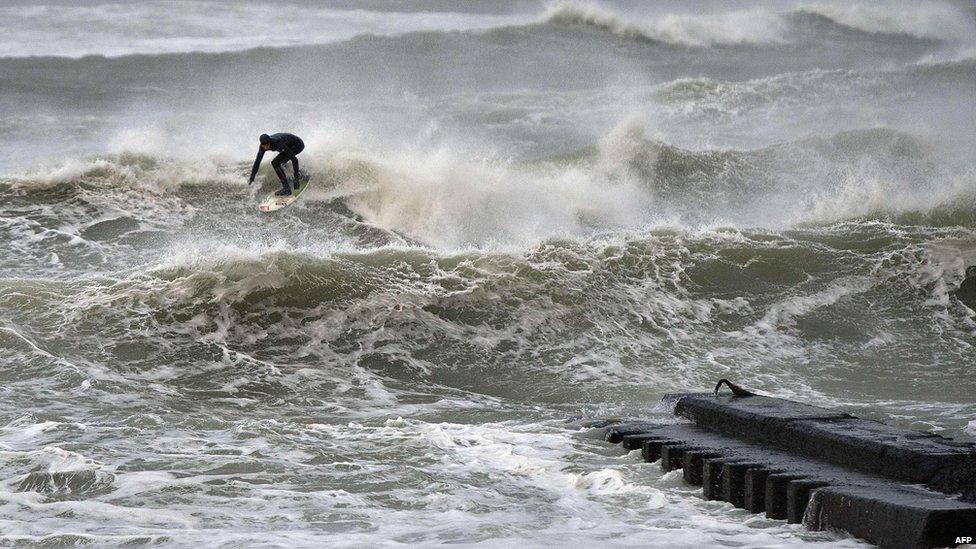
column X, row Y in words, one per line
column 257, row 164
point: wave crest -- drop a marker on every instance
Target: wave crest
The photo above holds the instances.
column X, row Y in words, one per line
column 933, row 21
column 627, row 181
column 141, row 171
column 930, row 20
column 706, row 30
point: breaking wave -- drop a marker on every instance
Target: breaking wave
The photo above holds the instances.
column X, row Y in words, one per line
column 627, row 181
column 933, row 20
column 521, row 218
column 721, row 29
column 758, row 26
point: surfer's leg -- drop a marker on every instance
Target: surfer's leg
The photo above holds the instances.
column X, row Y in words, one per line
column 276, row 164
column 294, row 164
column 294, row 161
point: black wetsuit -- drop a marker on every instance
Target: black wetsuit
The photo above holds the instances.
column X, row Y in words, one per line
column 287, row 146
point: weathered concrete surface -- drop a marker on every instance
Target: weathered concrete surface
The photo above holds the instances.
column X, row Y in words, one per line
column 617, row 433
column 892, row 518
column 838, row 438
column 691, row 465
column 803, row 463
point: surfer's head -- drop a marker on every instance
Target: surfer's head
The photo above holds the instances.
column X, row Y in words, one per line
column 265, row 140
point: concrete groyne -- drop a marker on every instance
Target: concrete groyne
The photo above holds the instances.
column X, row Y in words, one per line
column 827, row 469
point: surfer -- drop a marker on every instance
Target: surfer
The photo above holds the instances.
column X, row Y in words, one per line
column 287, row 146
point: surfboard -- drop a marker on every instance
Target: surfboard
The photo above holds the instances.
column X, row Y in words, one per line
column 273, row 203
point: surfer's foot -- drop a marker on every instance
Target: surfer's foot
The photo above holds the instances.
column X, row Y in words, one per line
column 284, row 192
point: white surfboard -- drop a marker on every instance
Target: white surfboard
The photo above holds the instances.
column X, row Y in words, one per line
column 272, row 203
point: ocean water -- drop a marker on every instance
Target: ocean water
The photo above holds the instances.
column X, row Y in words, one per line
column 525, row 216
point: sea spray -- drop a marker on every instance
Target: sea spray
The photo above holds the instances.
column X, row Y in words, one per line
column 524, row 219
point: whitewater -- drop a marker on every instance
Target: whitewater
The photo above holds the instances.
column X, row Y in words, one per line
column 524, row 217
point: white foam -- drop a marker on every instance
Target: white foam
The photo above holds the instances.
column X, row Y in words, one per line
column 867, row 189
column 126, row 170
column 783, row 313
column 941, row 268
column 449, row 201
column 48, row 458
